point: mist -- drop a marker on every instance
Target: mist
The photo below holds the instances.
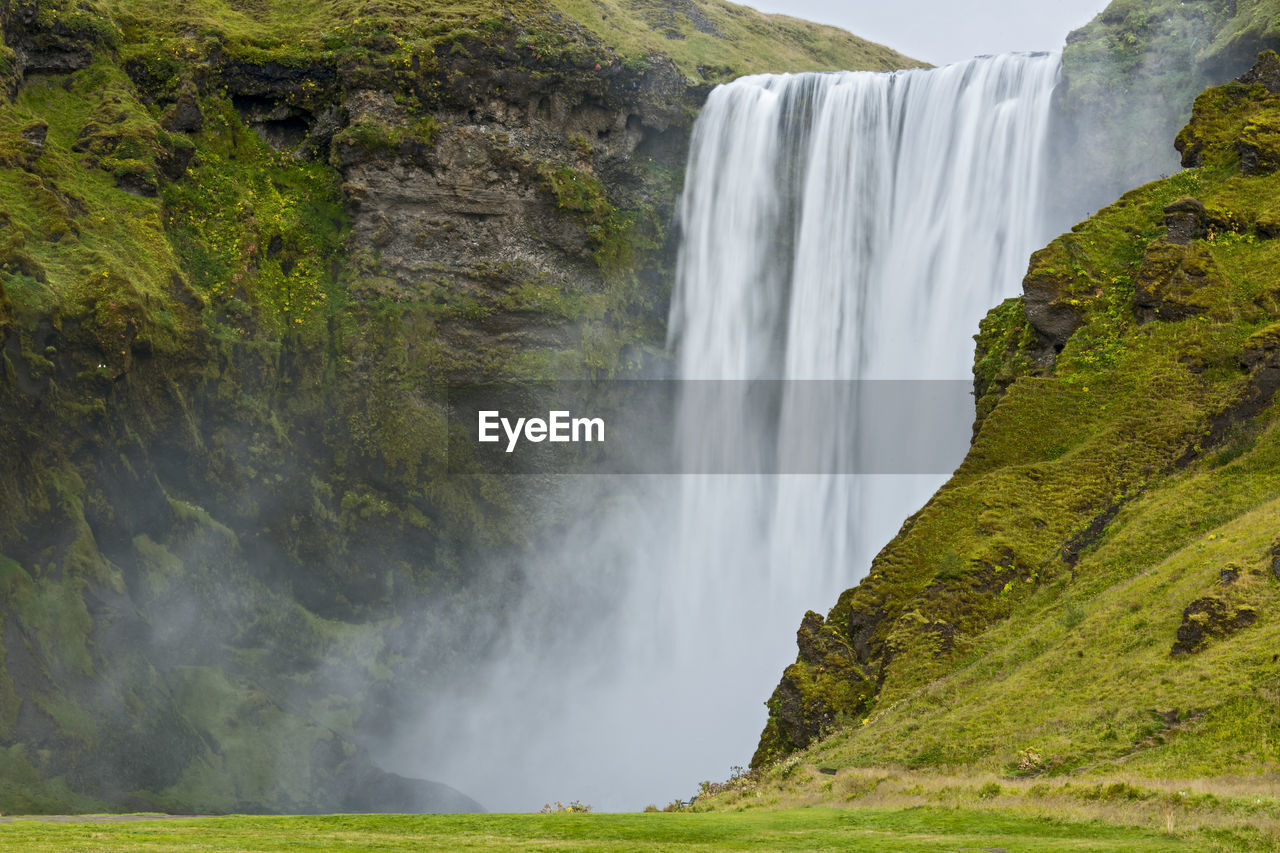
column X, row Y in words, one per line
column 655, row 617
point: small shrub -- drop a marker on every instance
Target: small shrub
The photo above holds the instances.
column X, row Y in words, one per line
column 1072, row 615
column 740, row 779
column 1030, row 762
column 786, row 768
column 950, row 567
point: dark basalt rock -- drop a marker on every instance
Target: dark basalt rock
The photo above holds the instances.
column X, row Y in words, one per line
column 174, row 162
column 1185, row 220
column 1043, row 301
column 1259, row 147
column 388, row 793
column 1262, row 349
column 184, row 116
column 1210, row 617
column 798, row 714
column 797, row 718
column 139, row 185
column 34, row 136
column 1266, row 72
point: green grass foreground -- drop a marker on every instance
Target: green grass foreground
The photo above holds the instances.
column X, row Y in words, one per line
column 913, row 829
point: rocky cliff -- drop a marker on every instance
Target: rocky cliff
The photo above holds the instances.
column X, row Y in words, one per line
column 241, row 248
column 1097, row 588
column 1129, row 79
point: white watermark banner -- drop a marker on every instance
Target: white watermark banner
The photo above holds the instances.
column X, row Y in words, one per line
column 709, row 427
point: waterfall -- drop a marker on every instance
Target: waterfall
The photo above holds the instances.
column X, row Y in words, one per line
column 856, row 224
column 846, row 226
column 850, row 226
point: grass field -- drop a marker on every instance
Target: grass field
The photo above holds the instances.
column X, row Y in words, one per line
column 908, row 830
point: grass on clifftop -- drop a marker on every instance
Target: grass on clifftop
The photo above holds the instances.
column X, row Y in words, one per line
column 714, row 40
column 708, row 40
column 871, row 830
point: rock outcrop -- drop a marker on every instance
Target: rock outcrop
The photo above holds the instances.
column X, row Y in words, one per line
column 1122, row 465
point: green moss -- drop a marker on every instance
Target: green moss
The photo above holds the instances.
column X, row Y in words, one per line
column 619, row 237
column 79, row 241
column 585, row 195
column 55, row 615
column 266, row 760
column 1117, row 493
column 162, row 567
column 414, row 141
column 1003, row 337
column 88, row 20
column 257, row 232
column 547, row 299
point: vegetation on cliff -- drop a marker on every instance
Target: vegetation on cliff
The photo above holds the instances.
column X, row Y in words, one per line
column 1095, row 592
column 241, row 248
column 1129, row 78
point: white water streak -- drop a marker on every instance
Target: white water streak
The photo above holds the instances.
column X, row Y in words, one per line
column 911, row 201
column 835, row 226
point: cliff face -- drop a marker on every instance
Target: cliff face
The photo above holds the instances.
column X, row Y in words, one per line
column 1097, row 586
column 1129, row 79
column 238, row 250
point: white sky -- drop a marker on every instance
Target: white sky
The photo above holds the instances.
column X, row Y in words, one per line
column 943, row 31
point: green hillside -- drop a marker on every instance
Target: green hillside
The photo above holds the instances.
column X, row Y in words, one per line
column 242, row 245
column 1096, row 592
column 715, row 40
column 708, row 40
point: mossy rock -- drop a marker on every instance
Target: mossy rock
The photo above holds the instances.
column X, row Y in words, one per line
column 1210, row 617
column 1175, row 282
column 1239, row 121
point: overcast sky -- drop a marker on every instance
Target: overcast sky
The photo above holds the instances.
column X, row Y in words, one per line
column 943, row 31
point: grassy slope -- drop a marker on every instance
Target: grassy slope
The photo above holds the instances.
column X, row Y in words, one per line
column 709, row 40
column 715, row 40
column 909, row 831
column 1023, row 623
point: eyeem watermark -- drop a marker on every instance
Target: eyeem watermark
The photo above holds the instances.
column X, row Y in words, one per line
column 709, row 427
column 559, row 427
